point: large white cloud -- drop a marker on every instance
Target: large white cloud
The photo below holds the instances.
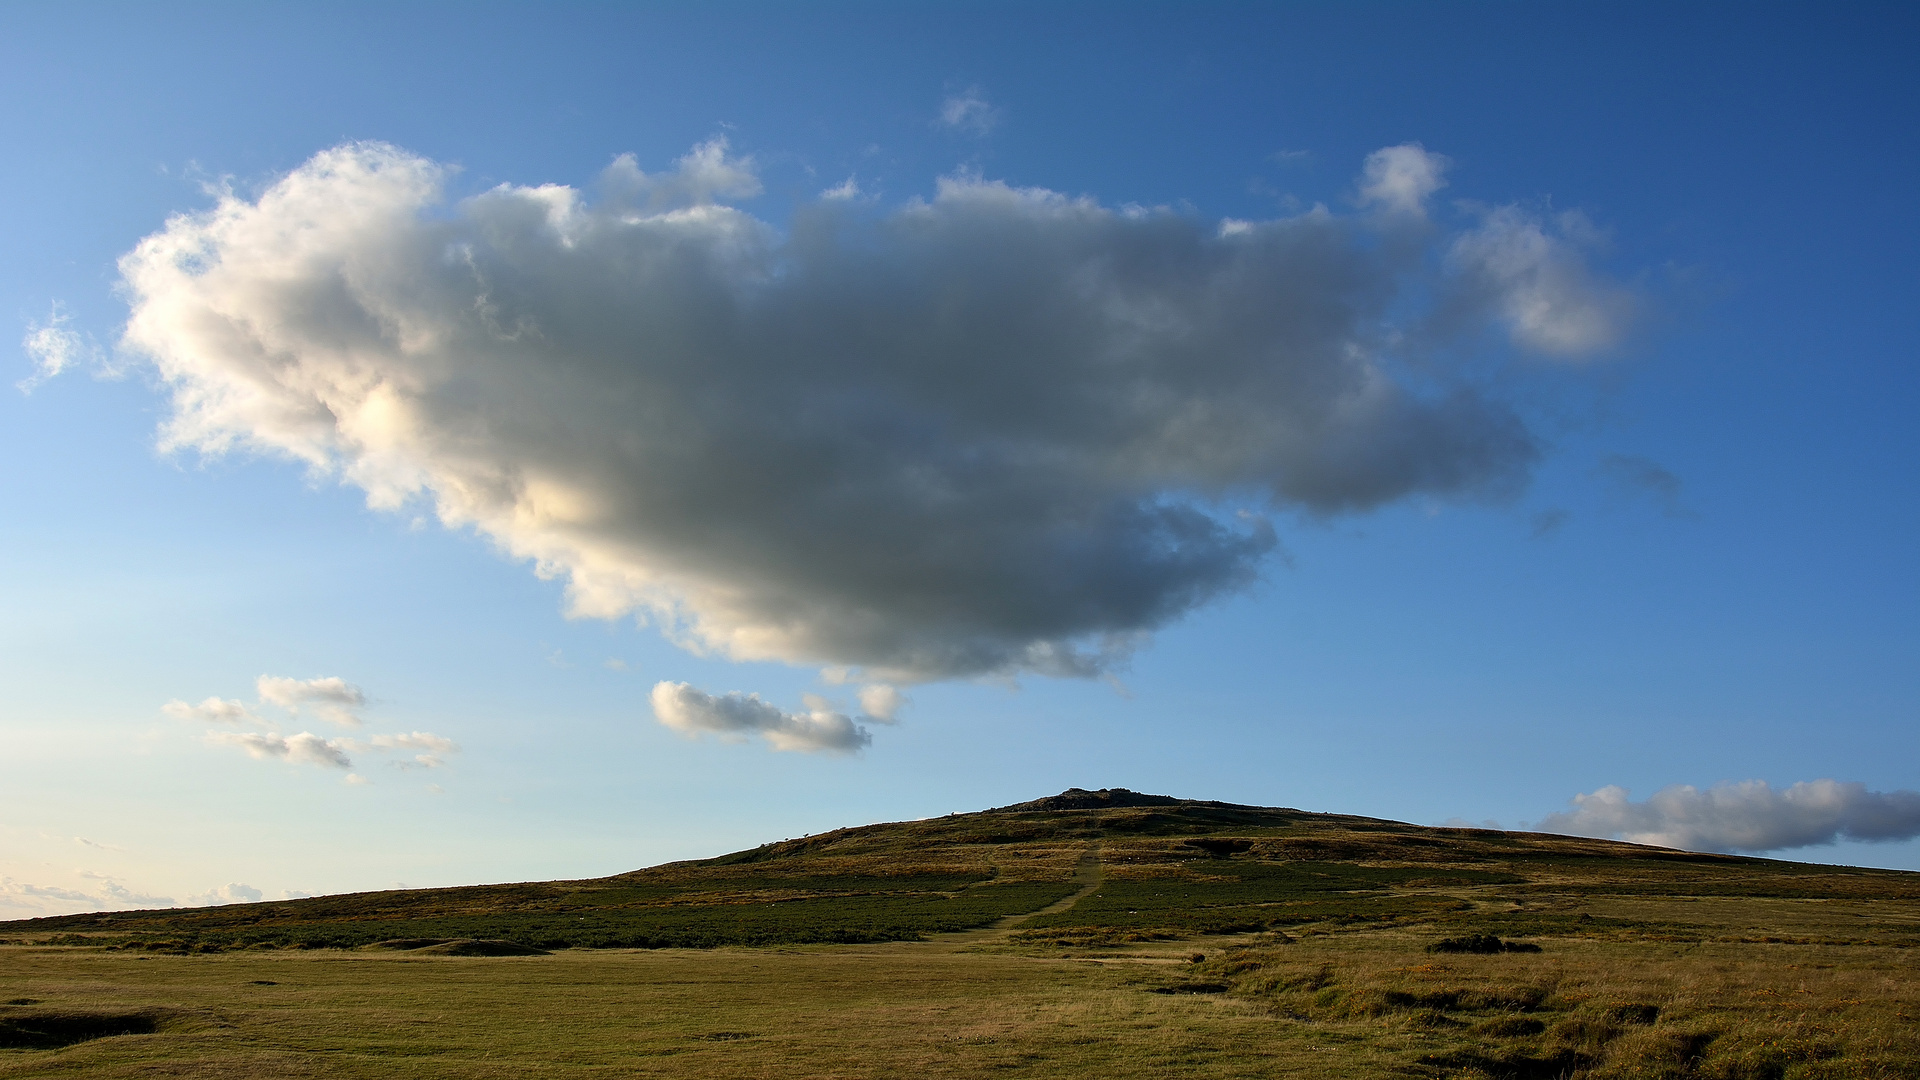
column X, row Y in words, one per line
column 1746, row 816
column 1000, row 430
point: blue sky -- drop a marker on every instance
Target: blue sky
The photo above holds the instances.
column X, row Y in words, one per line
column 1700, row 572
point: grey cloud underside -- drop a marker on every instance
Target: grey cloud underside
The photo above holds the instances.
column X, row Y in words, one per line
column 1747, row 816
column 997, row 431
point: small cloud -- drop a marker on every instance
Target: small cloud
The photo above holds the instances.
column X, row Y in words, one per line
column 1463, row 823
column 436, row 789
column 331, row 698
column 1531, row 272
column 1548, row 523
column 1398, row 179
column 881, row 702
column 704, row 176
column 53, row 348
column 1291, row 157
column 844, row 191
column 418, row 740
column 736, row 715
column 1638, row 477
column 214, row 710
column 434, row 745
column 356, row 780
column 969, row 111
column 231, row 893
column 1749, row 816
column 305, row 747
column 614, row 663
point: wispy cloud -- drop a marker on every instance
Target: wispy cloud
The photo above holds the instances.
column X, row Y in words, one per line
column 1549, row 522
column 213, row 710
column 996, row 431
column 332, row 698
column 302, row 748
column 1531, row 270
column 104, row 892
column 1638, row 477
column 433, row 748
column 28, row 900
column 846, row 190
column 53, row 348
column 969, row 111
column 1747, row 816
column 418, row 740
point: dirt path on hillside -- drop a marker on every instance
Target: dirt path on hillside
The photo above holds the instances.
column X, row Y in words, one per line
column 1089, row 875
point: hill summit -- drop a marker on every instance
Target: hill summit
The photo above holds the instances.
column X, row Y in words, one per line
column 1087, row 866
column 1105, row 799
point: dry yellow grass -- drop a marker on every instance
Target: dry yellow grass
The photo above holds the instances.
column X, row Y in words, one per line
column 1361, row 1003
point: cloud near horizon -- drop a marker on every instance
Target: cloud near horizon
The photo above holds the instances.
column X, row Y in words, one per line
column 109, row 895
column 997, row 431
column 103, row 892
column 233, row 892
column 1748, row 816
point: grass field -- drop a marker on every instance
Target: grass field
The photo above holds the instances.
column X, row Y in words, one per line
column 1192, row 940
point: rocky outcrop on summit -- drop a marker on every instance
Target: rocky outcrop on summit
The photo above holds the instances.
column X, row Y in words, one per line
column 1105, row 799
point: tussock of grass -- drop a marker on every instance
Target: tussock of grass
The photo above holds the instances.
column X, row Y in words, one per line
column 27, row 1028
column 1482, row 944
column 1603, row 1010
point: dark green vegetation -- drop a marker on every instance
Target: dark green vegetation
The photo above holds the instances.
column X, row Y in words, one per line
column 721, row 910
column 1202, row 939
column 45, row 1029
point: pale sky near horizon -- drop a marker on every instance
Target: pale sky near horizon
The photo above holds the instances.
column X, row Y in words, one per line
column 462, row 443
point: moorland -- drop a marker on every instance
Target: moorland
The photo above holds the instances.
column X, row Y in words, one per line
column 1092, row 934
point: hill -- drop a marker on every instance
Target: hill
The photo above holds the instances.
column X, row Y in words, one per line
column 1104, row 934
column 1167, row 868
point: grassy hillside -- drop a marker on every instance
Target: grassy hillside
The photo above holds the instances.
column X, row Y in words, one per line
column 1172, row 868
column 1155, row 937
